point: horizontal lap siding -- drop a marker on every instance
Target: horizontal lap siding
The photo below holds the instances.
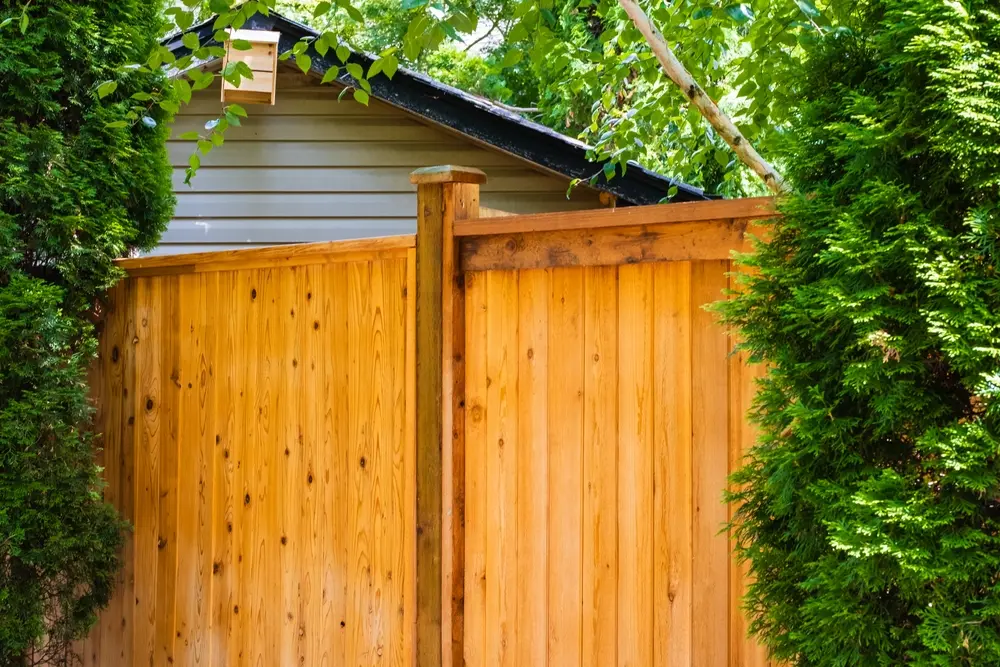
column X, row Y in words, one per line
column 264, row 453
column 311, row 168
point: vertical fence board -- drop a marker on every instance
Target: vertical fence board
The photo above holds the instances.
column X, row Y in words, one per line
column 532, row 472
column 501, row 467
column 600, row 468
column 710, row 422
column 635, row 466
column 672, row 509
column 565, row 431
column 476, row 447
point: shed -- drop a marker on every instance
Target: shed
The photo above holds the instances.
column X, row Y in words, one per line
column 310, row 168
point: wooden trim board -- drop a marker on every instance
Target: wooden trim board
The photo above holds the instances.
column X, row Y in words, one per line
column 610, row 246
column 630, row 216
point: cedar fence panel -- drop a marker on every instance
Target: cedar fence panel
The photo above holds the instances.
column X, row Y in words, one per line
column 501, row 442
column 258, row 433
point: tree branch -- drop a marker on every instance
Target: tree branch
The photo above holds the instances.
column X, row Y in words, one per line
column 677, row 73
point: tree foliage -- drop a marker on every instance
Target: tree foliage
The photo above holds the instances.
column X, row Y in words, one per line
column 872, row 504
column 80, row 185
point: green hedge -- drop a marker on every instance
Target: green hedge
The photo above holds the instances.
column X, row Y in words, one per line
column 74, row 195
column 872, row 513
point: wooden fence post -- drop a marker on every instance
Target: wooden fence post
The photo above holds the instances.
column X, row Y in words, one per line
column 444, row 195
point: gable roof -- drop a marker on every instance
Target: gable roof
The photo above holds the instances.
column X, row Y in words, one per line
column 469, row 115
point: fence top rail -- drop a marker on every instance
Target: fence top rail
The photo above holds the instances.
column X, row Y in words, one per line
column 384, row 247
column 754, row 208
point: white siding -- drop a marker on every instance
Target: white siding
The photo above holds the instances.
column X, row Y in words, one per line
column 311, row 168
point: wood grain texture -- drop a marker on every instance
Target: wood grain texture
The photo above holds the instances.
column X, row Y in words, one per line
column 635, row 466
column 565, row 427
column 710, row 465
column 672, row 509
column 272, row 463
column 630, row 216
column 611, row 246
column 264, row 430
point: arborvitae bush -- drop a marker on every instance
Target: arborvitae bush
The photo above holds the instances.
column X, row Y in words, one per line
column 872, row 502
column 74, row 195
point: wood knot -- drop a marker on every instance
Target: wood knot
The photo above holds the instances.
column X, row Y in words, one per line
column 316, row 325
column 309, row 478
column 246, row 499
column 216, row 567
column 284, row 541
column 253, row 294
column 149, row 403
column 363, row 462
column 236, row 609
column 531, row 353
column 161, row 543
column 114, row 354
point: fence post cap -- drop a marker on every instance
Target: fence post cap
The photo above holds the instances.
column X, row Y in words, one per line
column 447, row 173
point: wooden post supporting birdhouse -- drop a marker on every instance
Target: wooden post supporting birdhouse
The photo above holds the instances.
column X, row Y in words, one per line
column 261, row 58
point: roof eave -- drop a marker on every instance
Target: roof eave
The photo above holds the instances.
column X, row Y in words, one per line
column 473, row 117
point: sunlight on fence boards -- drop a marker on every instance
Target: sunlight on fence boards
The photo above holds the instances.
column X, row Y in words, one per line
column 598, row 442
column 259, row 436
column 543, row 489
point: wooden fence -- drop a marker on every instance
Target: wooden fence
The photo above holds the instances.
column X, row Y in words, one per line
column 501, row 442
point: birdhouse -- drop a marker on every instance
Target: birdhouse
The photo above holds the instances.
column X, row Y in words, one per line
column 261, row 58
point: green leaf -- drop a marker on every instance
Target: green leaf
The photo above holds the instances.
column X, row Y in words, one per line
column 24, row 20
column 702, row 13
column 343, row 53
column 609, row 170
column 722, row 157
column 375, row 68
column 361, row 96
column 6, row 22
column 184, row 20
column 116, row 124
column 355, row 70
column 141, row 96
column 170, row 106
column 322, row 8
column 413, row 4
column 194, row 161
column 183, row 90
column 189, row 136
column 238, row 110
column 356, row 15
column 330, row 74
column 390, row 66
column 106, row 89
column 511, row 58
column 190, row 40
column 808, row 8
column 204, row 146
column 241, row 44
column 321, row 45
column 218, row 139
column 740, row 13
column 304, row 62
